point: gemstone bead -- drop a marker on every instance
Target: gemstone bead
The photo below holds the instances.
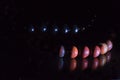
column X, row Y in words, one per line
column 86, row 52
column 96, row 52
column 74, row 52
column 62, row 51
column 104, row 48
column 109, row 44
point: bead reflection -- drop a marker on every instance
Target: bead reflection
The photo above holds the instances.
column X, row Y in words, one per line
column 73, row 64
column 84, row 64
column 60, row 64
column 102, row 60
column 108, row 57
column 95, row 64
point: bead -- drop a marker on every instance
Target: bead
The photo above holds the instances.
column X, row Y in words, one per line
column 86, row 52
column 104, row 48
column 62, row 51
column 96, row 52
column 109, row 44
column 74, row 52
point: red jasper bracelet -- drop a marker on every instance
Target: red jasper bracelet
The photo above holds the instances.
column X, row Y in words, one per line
column 102, row 49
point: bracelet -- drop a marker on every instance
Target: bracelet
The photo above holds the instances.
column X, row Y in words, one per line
column 102, row 49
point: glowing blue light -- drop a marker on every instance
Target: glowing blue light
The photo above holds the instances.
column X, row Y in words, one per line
column 66, row 30
column 56, row 29
column 44, row 29
column 76, row 30
column 32, row 29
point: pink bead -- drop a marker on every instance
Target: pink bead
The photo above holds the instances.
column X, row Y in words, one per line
column 96, row 52
column 86, row 52
column 110, row 45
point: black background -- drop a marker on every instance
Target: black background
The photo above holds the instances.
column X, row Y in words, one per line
column 24, row 55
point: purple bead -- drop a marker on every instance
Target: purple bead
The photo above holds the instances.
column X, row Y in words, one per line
column 62, row 51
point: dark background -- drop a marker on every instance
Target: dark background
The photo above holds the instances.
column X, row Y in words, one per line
column 26, row 55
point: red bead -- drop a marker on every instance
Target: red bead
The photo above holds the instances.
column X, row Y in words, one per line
column 96, row 52
column 74, row 52
column 86, row 52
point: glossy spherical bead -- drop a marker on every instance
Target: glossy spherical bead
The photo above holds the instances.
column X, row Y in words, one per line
column 74, row 52
column 86, row 52
column 96, row 52
column 104, row 48
column 62, row 51
column 109, row 44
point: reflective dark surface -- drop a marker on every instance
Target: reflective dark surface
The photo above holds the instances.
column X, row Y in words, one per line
column 27, row 56
column 30, row 38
